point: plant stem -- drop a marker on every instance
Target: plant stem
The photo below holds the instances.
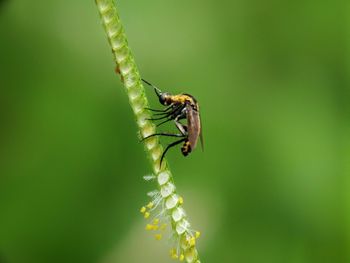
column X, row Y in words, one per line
column 126, row 67
column 167, row 198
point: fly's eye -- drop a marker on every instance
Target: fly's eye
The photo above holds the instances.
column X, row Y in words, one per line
column 163, row 98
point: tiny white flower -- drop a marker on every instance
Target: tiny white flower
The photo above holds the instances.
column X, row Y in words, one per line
column 149, row 177
column 167, row 189
column 163, row 178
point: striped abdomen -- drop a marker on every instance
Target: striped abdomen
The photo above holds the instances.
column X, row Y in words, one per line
column 186, row 148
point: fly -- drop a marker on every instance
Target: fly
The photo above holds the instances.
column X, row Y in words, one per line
column 181, row 106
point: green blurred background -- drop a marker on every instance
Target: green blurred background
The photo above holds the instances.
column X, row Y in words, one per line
column 272, row 79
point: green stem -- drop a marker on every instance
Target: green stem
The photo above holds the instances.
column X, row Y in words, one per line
column 126, row 67
column 130, row 76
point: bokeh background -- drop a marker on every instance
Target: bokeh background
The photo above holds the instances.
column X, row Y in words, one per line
column 272, row 79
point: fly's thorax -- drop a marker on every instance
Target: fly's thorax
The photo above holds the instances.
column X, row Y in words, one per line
column 184, row 98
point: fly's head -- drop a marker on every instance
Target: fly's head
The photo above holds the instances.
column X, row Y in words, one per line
column 165, row 98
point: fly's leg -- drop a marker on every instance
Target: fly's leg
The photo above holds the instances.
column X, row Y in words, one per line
column 157, row 119
column 174, row 111
column 181, row 127
column 169, row 119
column 168, row 147
column 165, row 110
column 172, row 114
column 163, row 134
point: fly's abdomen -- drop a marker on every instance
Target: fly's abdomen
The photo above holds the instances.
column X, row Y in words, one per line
column 186, row 148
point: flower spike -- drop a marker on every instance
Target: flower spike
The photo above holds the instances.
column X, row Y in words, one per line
column 165, row 202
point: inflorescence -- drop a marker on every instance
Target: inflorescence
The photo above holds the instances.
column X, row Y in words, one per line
column 166, row 206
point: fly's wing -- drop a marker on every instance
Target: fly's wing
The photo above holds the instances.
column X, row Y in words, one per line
column 201, row 133
column 193, row 125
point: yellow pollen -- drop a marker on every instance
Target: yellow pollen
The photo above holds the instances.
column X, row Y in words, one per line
column 163, row 226
column 158, row 236
column 198, row 234
column 155, row 227
column 182, row 257
column 143, row 209
column 156, row 221
column 181, row 200
column 149, row 227
column 192, row 241
column 173, row 254
column 147, row 214
column 150, row 205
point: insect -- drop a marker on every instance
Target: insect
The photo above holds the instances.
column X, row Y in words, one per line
column 181, row 106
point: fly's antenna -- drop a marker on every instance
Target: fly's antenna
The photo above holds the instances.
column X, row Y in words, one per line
column 157, row 91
